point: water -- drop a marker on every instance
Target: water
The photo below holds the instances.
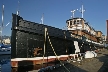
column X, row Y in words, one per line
column 34, row 68
column 5, row 65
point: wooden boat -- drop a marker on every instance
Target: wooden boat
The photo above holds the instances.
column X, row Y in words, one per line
column 34, row 43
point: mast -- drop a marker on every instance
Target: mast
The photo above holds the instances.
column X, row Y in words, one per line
column 18, row 8
column 42, row 18
column 2, row 21
column 73, row 11
column 82, row 10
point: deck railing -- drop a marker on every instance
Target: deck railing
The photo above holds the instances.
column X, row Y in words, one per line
column 80, row 37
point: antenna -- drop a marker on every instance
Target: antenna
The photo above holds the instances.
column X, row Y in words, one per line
column 18, row 8
column 7, row 23
column 73, row 11
column 42, row 18
column 82, row 10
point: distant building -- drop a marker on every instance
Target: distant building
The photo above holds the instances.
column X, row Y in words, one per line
column 6, row 41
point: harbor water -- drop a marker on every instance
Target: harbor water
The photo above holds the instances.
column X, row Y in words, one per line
column 5, row 65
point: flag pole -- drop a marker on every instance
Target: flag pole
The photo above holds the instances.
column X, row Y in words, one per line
column 2, row 21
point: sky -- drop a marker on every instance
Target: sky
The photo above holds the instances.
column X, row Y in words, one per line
column 56, row 12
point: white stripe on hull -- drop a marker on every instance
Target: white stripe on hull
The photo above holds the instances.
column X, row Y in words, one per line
column 38, row 58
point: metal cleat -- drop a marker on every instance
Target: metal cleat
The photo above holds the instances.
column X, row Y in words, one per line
column 78, row 59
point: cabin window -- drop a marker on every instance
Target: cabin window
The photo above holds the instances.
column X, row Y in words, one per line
column 70, row 23
column 74, row 22
column 79, row 21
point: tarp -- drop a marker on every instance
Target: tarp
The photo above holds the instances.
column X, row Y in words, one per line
column 90, row 54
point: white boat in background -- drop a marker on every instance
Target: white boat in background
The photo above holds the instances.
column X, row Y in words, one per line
column 5, row 49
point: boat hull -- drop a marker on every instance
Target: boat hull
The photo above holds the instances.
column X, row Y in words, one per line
column 30, row 42
column 5, row 51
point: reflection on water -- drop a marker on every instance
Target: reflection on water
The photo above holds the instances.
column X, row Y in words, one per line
column 22, row 69
column 30, row 68
column 34, row 68
column 5, row 65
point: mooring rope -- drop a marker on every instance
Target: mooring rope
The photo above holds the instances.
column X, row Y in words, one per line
column 55, row 52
